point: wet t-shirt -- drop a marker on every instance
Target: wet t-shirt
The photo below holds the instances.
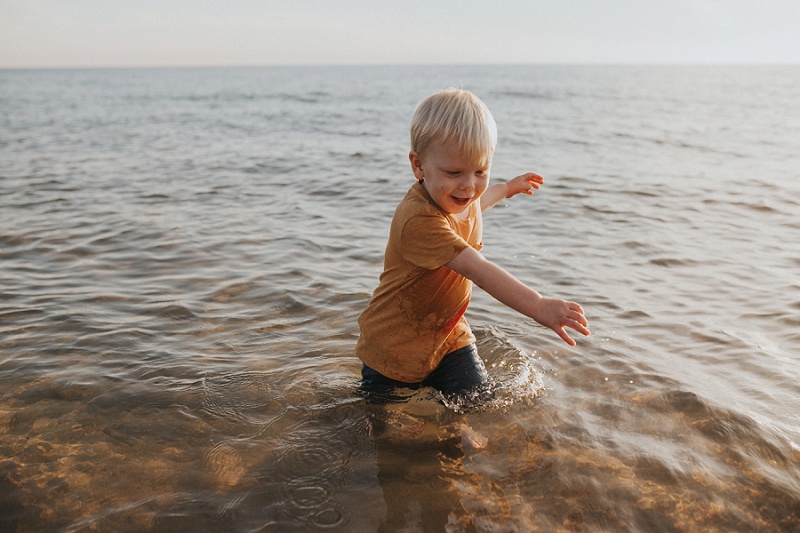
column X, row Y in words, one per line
column 416, row 314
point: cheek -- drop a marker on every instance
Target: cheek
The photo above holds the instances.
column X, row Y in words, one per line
column 442, row 186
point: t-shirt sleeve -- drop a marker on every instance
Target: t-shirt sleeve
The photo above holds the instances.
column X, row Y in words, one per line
column 428, row 241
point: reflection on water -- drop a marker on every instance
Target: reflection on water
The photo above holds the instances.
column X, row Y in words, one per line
column 184, row 254
column 266, row 451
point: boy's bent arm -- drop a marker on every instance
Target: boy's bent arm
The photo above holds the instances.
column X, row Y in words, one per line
column 553, row 313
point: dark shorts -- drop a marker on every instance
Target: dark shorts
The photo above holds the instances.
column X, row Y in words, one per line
column 458, row 371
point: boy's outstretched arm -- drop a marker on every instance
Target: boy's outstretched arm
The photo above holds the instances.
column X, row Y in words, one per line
column 498, row 191
column 553, row 313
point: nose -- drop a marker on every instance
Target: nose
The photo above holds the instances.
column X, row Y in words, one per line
column 468, row 183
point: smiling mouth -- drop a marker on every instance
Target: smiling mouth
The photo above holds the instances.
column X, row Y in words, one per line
column 460, row 201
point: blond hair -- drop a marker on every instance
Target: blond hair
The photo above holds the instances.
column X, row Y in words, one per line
column 454, row 115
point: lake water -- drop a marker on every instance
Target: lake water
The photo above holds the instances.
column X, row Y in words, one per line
column 184, row 254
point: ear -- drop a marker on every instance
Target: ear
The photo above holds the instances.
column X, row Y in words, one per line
column 416, row 165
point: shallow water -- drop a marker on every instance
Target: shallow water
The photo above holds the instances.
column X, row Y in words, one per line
column 184, row 254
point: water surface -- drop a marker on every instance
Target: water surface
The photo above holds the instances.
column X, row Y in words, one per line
column 184, row 254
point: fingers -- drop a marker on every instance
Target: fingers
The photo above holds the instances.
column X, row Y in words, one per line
column 560, row 314
column 528, row 186
column 576, row 313
column 566, row 338
column 532, row 176
column 580, row 328
column 531, row 184
column 534, row 180
column 575, row 307
column 529, row 181
column 578, row 319
column 574, row 319
column 577, row 327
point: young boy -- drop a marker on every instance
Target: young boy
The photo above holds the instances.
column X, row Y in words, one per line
column 413, row 332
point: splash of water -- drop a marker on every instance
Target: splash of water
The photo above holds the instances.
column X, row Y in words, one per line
column 515, row 379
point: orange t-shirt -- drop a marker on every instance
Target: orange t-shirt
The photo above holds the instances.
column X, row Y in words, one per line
column 415, row 316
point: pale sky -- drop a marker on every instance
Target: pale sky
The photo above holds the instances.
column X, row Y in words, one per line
column 129, row 33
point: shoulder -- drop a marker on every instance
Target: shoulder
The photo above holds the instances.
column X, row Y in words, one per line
column 417, row 204
column 418, row 198
column 424, row 234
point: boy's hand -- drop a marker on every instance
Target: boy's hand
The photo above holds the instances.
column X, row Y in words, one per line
column 559, row 314
column 524, row 184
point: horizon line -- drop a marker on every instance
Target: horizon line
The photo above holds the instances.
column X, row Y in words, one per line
column 437, row 64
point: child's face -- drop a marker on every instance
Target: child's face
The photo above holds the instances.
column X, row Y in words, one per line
column 450, row 178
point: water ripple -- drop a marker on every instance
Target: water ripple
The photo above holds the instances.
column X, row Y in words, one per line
column 184, row 254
